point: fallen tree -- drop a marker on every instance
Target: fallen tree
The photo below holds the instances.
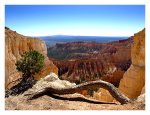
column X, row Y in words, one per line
column 77, row 88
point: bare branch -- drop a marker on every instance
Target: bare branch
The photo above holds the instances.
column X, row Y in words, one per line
column 78, row 88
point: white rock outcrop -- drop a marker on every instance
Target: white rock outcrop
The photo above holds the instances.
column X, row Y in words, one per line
column 50, row 80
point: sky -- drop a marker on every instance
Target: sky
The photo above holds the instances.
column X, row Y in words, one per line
column 84, row 20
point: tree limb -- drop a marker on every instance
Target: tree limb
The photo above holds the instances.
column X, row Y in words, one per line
column 78, row 88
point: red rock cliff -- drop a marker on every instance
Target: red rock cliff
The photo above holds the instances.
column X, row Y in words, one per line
column 133, row 82
column 16, row 44
column 92, row 61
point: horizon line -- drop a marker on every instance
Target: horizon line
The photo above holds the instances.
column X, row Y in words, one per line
column 77, row 35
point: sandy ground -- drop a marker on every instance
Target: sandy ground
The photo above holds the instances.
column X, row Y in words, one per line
column 56, row 103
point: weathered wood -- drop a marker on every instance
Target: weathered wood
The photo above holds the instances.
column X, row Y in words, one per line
column 78, row 88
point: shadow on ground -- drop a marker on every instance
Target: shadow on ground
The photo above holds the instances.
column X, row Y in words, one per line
column 80, row 99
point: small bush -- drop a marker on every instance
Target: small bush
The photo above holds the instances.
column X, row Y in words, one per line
column 31, row 62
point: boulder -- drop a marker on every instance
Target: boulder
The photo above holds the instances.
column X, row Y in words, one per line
column 50, row 80
column 103, row 95
column 51, row 77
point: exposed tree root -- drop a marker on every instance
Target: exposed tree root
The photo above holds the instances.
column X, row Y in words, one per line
column 77, row 88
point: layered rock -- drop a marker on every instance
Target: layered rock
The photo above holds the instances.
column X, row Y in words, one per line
column 87, row 70
column 15, row 45
column 134, row 79
column 133, row 82
column 85, row 61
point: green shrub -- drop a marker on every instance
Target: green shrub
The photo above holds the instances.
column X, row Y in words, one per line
column 31, row 62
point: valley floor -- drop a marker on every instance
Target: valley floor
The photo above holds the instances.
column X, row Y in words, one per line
column 51, row 103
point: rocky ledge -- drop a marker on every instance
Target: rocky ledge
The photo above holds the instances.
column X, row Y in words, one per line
column 66, row 102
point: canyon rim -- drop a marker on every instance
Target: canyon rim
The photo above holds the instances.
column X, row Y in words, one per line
column 91, row 60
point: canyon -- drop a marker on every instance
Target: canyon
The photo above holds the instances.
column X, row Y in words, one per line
column 85, row 61
column 15, row 45
column 121, row 63
column 133, row 82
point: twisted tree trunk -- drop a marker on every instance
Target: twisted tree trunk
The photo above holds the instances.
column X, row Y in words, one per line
column 77, row 88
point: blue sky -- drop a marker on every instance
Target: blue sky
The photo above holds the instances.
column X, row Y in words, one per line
column 88, row 20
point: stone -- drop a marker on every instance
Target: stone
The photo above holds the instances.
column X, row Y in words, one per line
column 15, row 45
column 51, row 77
column 133, row 82
column 134, row 78
column 50, row 81
column 103, row 95
column 141, row 98
column 138, row 49
column 85, row 61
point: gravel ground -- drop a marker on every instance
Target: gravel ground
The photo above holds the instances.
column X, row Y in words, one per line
column 54, row 103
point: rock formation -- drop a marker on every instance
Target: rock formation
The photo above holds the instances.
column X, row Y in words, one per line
column 85, row 61
column 103, row 95
column 133, row 82
column 51, row 84
column 134, row 79
column 52, row 101
column 15, row 45
column 50, row 80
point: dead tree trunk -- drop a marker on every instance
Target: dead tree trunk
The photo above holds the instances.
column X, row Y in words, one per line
column 77, row 88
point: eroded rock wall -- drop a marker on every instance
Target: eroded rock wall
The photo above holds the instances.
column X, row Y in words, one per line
column 85, row 61
column 134, row 79
column 133, row 82
column 15, row 45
